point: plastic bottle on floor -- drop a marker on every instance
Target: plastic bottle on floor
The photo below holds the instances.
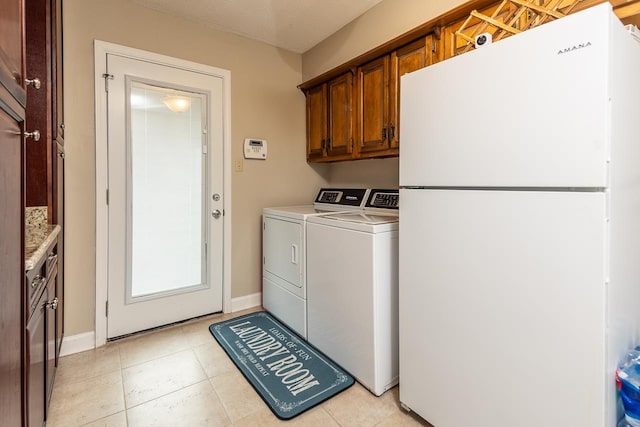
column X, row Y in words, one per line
column 628, row 382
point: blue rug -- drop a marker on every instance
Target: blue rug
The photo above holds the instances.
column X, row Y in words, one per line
column 289, row 374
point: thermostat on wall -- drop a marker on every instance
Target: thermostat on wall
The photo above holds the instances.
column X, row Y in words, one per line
column 255, row 148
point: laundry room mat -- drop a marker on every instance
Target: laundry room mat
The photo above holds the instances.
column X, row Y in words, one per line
column 288, row 373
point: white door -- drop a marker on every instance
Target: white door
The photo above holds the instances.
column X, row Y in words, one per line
column 165, row 170
column 502, row 307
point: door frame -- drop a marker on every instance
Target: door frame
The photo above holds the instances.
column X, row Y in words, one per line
column 101, row 50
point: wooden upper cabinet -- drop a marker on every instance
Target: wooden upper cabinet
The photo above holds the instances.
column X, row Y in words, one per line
column 378, row 104
column 329, row 120
column 340, row 102
column 374, row 129
column 316, row 121
column 411, row 57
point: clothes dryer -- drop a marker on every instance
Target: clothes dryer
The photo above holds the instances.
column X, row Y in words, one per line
column 284, row 278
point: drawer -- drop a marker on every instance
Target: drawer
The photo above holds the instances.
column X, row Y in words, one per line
column 38, row 277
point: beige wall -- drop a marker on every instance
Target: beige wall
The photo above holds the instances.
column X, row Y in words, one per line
column 265, row 104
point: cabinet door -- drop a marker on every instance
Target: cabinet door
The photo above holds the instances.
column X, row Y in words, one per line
column 58, row 218
column 316, row 121
column 374, row 131
column 57, row 121
column 50, row 324
column 11, row 269
column 38, row 66
column 409, row 58
column 36, row 359
column 12, row 48
column 340, row 111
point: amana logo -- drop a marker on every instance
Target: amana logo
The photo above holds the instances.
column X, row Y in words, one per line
column 575, row 47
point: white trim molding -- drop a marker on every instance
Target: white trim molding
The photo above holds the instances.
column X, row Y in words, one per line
column 78, row 343
column 245, row 302
column 87, row 340
column 101, row 50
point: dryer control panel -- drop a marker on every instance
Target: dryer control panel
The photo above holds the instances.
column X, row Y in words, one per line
column 385, row 199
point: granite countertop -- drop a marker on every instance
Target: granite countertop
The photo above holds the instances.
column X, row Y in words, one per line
column 38, row 235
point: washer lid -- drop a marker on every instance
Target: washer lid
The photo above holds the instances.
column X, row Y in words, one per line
column 296, row 212
column 364, row 217
column 369, row 222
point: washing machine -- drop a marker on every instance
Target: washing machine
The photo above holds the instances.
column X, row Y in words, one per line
column 284, row 273
column 352, row 289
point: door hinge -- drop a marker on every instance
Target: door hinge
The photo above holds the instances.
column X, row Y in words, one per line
column 106, row 309
column 107, row 196
column 264, row 260
column 107, row 77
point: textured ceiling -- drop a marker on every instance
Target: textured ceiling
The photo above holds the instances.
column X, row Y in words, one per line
column 295, row 25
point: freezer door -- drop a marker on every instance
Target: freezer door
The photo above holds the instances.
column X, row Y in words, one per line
column 528, row 111
column 502, row 308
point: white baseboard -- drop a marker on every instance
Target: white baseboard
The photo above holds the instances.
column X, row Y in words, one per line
column 87, row 340
column 78, row 343
column 245, row 302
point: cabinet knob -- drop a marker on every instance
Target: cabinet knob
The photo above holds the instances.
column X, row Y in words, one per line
column 33, row 82
column 37, row 281
column 35, row 135
column 53, row 304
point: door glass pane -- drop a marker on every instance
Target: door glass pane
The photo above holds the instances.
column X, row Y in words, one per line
column 166, row 191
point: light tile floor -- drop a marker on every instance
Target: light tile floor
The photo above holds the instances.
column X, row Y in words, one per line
column 180, row 376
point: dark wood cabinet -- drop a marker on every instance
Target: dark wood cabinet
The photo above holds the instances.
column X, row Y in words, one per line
column 330, row 120
column 42, row 344
column 358, row 118
column 51, row 307
column 45, row 158
column 38, row 67
column 36, row 362
column 57, row 103
column 29, row 331
column 12, row 303
column 11, row 265
column 58, row 218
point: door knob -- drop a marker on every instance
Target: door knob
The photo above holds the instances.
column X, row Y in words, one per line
column 216, row 214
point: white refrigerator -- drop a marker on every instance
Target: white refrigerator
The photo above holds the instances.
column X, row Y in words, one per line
column 519, row 270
